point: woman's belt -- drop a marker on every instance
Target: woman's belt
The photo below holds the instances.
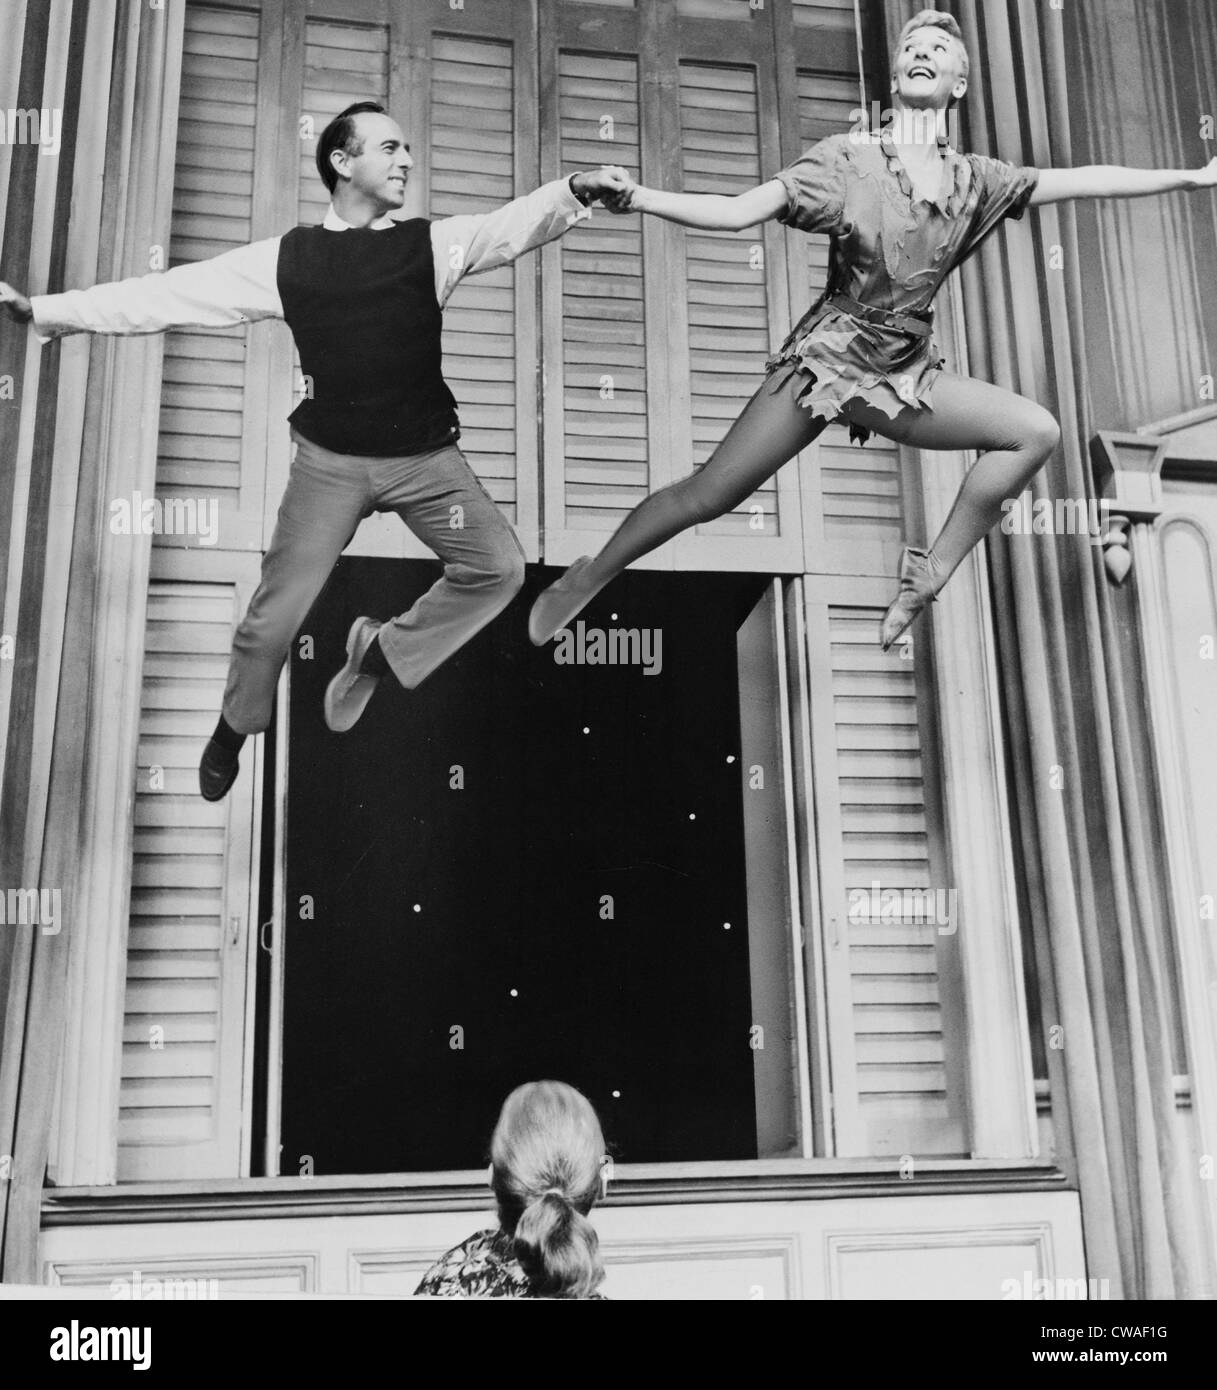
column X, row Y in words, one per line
column 886, row 318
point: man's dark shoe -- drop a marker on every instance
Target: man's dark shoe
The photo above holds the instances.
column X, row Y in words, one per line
column 348, row 693
column 218, row 770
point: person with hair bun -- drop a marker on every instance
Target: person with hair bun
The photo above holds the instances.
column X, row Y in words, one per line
column 547, row 1169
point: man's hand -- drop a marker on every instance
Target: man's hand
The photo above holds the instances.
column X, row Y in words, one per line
column 610, row 184
column 624, row 201
column 16, row 303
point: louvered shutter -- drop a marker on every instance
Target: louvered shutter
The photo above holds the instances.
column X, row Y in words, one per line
column 208, row 443
column 732, row 315
column 658, row 336
column 181, row 1100
column 343, row 64
column 601, row 463
column 829, row 15
column 728, row 305
column 472, row 157
column 895, row 1075
column 180, row 1109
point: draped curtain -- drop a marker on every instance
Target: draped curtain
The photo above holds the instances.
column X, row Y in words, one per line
column 81, row 428
column 1083, row 812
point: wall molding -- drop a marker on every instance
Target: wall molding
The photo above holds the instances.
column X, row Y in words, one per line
column 258, row 1199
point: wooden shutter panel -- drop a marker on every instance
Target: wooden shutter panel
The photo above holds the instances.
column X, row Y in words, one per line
column 729, row 315
column 343, row 64
column 180, row 1105
column 204, row 423
column 604, row 468
column 825, row 14
column 895, row 1088
column 472, row 160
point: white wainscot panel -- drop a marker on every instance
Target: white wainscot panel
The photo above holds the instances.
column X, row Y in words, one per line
column 899, row 1247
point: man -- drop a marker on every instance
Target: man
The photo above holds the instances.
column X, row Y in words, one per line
column 363, row 295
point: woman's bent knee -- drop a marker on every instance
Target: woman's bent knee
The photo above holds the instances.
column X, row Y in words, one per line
column 1043, row 434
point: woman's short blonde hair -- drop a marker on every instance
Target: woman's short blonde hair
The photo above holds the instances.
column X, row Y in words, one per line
column 937, row 19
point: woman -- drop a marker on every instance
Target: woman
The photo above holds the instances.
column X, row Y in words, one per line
column 548, row 1166
column 902, row 211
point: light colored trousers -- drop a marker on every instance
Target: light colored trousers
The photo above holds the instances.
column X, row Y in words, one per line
column 440, row 499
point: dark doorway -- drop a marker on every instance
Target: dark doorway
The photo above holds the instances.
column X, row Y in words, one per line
column 540, row 855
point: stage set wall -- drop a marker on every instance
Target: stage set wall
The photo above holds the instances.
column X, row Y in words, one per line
column 1058, row 713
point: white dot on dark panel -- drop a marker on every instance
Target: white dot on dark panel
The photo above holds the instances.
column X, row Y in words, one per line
column 586, row 730
column 515, row 993
column 692, row 815
column 614, row 617
column 616, row 1095
column 726, row 926
column 418, row 907
column 730, row 757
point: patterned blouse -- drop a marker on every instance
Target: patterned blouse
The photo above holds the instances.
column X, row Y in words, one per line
column 890, row 248
column 484, row 1266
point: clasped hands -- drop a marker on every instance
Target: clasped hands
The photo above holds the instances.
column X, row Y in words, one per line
column 611, row 185
column 16, row 303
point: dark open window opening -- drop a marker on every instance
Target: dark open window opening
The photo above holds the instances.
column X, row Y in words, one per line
column 525, row 868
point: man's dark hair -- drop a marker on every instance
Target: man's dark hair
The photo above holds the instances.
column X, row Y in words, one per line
column 340, row 135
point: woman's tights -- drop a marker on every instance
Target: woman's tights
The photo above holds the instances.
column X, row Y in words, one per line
column 1015, row 437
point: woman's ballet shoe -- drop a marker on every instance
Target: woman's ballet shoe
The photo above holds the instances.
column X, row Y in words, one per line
column 558, row 604
column 917, row 589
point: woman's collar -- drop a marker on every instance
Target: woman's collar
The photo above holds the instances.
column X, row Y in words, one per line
column 952, row 188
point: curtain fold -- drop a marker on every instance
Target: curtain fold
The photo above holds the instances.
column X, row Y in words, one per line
column 109, row 58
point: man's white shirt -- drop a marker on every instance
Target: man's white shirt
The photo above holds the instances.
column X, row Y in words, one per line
column 241, row 286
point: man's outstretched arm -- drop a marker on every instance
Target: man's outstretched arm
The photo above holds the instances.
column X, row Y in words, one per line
column 469, row 244
column 234, row 288
column 1114, row 181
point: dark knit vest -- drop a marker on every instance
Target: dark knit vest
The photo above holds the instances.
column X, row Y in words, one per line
column 361, row 305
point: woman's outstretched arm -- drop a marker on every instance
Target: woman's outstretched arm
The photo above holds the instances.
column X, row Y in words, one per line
column 1112, row 181
column 710, row 211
